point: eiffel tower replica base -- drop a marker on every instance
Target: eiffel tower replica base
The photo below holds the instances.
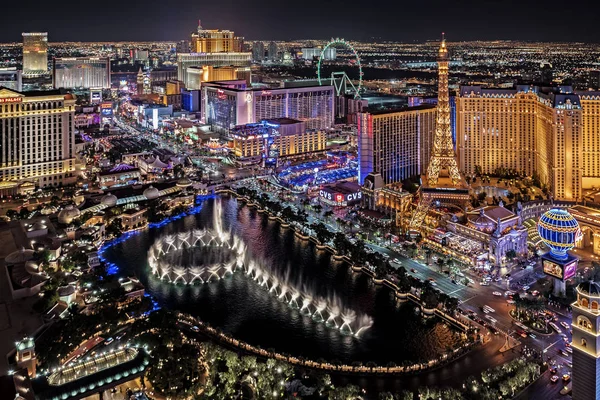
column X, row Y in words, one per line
column 445, row 191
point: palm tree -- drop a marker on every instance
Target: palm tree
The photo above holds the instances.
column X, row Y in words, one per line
column 327, row 214
column 440, row 262
column 427, row 254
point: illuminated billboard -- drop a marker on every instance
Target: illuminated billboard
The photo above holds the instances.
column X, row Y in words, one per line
column 570, row 269
column 336, row 198
column 95, row 96
column 106, row 110
column 553, row 269
column 560, row 271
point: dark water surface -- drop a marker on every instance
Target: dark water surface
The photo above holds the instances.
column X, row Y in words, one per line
column 239, row 306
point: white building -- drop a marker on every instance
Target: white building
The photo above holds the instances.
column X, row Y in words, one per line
column 37, row 141
column 230, row 103
column 11, row 78
column 81, row 72
column 308, row 53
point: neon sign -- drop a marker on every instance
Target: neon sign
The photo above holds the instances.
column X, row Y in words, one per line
column 11, row 99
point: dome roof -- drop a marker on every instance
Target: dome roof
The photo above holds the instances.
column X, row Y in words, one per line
column 590, row 288
column 559, row 230
column 68, row 214
column 184, row 182
column 66, row 290
column 38, row 226
column 19, row 256
column 151, row 193
column 110, row 200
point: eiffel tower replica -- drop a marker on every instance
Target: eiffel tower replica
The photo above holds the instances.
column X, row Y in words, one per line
column 443, row 183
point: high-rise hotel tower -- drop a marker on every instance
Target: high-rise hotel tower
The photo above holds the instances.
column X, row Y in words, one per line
column 550, row 131
column 37, row 140
column 35, row 53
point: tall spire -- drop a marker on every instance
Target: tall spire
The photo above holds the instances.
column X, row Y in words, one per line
column 442, row 155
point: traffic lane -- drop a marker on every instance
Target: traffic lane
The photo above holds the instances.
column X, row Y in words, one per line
column 423, row 272
column 542, row 389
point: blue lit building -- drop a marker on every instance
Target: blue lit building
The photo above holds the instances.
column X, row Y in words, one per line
column 395, row 143
column 190, row 100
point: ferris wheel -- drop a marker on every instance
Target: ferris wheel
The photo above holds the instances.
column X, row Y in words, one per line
column 340, row 80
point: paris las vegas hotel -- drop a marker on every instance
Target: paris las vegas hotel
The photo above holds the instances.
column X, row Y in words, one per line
column 554, row 132
column 37, row 140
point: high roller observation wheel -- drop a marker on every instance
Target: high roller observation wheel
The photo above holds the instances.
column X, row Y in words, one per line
column 339, row 41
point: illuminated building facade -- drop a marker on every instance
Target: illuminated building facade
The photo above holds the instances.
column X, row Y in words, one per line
column 11, row 78
column 35, row 53
column 184, row 61
column 308, row 53
column 548, row 131
column 172, row 94
column 81, row 72
column 258, row 51
column 278, row 137
column 230, row 103
column 215, row 41
column 395, row 143
column 37, row 140
column 586, row 342
column 208, row 73
column 272, row 52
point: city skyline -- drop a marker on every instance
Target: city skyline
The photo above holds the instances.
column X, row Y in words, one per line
column 266, row 20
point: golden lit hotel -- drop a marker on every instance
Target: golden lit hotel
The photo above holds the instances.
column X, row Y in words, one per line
column 277, row 137
column 549, row 131
column 37, row 140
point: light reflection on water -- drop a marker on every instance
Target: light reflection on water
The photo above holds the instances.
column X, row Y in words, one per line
column 237, row 305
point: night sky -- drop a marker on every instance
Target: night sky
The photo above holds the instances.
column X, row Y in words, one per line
column 417, row 20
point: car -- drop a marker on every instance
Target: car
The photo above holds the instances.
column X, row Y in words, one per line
column 535, row 293
column 554, row 378
column 109, row 341
column 569, row 349
column 564, row 353
column 498, row 279
column 523, row 334
column 566, row 378
column 396, row 261
column 413, row 270
column 433, row 283
column 195, row 328
column 431, row 279
column 510, row 301
column 565, row 325
column 485, row 283
column 531, row 335
column 497, row 293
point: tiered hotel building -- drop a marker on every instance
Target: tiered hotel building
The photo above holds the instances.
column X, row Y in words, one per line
column 553, row 132
column 395, row 143
column 37, row 140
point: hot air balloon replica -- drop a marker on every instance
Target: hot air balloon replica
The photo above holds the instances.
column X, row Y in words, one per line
column 559, row 231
